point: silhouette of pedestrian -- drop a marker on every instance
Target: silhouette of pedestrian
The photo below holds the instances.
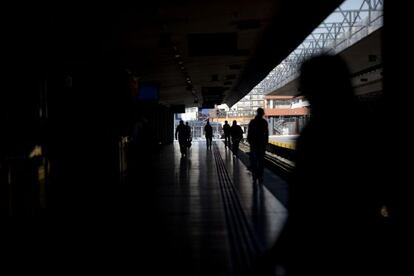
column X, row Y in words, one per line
column 227, row 134
column 208, row 130
column 327, row 230
column 258, row 137
column 181, row 134
column 236, row 136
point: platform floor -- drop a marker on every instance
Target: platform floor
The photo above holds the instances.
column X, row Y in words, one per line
column 209, row 216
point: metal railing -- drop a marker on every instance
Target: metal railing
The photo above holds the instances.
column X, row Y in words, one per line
column 340, row 30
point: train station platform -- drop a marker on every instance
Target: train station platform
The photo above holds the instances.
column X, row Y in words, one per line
column 208, row 216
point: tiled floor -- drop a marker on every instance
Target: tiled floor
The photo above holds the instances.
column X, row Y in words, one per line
column 209, row 217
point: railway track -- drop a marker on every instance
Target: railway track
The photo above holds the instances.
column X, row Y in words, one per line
column 281, row 166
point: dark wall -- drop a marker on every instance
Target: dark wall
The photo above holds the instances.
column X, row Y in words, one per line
column 160, row 121
column 89, row 110
column 78, row 112
column 21, row 129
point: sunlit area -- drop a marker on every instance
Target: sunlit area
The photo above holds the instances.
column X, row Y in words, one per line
column 197, row 119
column 353, row 31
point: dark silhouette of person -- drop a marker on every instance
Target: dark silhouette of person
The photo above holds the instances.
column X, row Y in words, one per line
column 182, row 135
column 258, row 137
column 227, row 133
column 329, row 229
column 208, row 131
column 236, row 136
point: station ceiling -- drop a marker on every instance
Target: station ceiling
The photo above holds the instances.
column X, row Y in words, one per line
column 200, row 53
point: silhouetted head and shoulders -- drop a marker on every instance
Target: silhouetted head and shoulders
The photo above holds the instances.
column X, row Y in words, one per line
column 180, row 125
column 326, row 84
column 181, row 130
column 329, row 135
column 226, row 127
column 207, row 127
column 236, row 131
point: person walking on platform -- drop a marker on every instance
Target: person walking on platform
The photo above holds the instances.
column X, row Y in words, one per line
column 227, row 133
column 208, row 132
column 334, row 195
column 236, row 136
column 258, row 137
column 181, row 134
